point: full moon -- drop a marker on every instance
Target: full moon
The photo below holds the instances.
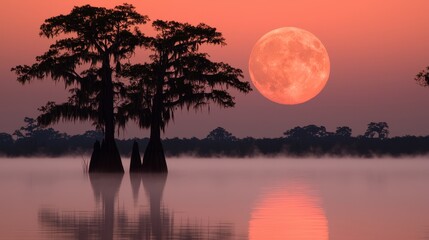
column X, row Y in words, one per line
column 289, row 65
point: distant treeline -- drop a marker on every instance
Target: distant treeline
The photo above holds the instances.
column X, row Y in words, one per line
column 311, row 140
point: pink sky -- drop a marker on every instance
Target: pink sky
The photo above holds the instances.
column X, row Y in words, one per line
column 375, row 48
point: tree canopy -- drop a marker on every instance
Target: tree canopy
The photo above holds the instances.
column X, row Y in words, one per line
column 422, row 77
column 309, row 131
column 89, row 40
column 90, row 43
column 220, row 134
column 178, row 76
column 343, row 131
column 379, row 129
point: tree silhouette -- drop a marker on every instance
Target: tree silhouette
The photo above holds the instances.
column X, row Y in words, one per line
column 33, row 130
column 5, row 138
column 108, row 222
column 178, row 76
column 379, row 128
column 309, row 131
column 27, row 130
column 422, row 77
column 87, row 225
column 6, row 143
column 95, row 39
column 32, row 139
column 343, row 131
column 220, row 134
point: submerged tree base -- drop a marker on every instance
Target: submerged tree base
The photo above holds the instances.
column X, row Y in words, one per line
column 136, row 161
column 154, row 158
column 105, row 158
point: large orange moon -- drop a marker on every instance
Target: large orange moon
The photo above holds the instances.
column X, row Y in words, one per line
column 289, row 65
column 286, row 215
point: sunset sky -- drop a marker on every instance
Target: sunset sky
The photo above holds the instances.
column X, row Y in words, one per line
column 375, row 47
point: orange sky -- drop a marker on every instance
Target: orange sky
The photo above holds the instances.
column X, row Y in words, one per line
column 375, row 50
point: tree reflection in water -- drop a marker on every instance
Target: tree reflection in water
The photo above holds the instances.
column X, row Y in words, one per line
column 155, row 223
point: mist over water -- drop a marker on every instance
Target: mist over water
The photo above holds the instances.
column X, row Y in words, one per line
column 262, row 198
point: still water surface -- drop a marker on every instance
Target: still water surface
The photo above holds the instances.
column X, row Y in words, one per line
column 286, row 199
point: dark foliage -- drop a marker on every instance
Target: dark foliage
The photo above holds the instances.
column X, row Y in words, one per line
column 422, row 78
column 343, row 131
column 379, row 129
column 310, row 131
column 32, row 140
column 83, row 59
column 90, row 44
column 220, row 134
column 179, row 75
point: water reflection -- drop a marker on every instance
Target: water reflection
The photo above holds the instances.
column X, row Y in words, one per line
column 288, row 213
column 86, row 225
column 157, row 223
column 363, row 199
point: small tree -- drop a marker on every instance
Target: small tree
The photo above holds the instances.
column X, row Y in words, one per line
column 34, row 139
column 220, row 134
column 343, row 131
column 422, row 77
column 94, row 39
column 178, row 76
column 309, row 131
column 33, row 130
column 381, row 129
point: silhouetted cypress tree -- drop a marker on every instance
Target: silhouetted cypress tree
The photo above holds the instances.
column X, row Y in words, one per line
column 178, row 76
column 95, row 39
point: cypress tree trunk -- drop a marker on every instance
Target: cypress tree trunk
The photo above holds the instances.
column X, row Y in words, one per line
column 94, row 163
column 110, row 159
column 154, row 158
column 136, row 161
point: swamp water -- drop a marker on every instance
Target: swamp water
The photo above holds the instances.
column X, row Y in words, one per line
column 285, row 199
